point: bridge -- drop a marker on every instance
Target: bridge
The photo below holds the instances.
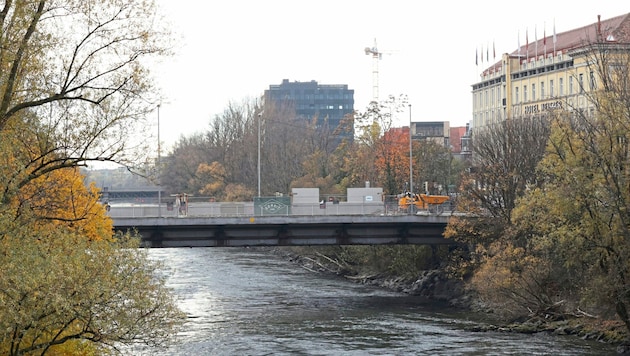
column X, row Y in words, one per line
column 286, row 230
column 367, row 226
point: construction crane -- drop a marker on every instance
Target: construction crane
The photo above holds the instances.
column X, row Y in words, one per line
column 376, row 56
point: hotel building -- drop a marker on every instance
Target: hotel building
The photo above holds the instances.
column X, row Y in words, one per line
column 554, row 72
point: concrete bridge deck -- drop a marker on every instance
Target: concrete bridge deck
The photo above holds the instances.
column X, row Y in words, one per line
column 200, row 231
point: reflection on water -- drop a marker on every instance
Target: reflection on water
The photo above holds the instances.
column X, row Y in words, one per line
column 246, row 302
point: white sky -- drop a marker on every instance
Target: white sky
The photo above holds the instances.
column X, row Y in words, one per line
column 233, row 50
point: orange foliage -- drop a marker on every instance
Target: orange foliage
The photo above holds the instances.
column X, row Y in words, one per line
column 392, row 156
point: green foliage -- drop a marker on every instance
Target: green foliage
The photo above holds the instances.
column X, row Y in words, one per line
column 434, row 163
column 405, row 261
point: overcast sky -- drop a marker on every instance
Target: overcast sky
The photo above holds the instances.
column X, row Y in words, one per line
column 233, row 50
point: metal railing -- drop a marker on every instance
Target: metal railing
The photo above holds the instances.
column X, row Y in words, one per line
column 240, row 209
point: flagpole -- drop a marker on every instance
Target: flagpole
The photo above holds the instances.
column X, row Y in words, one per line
column 526, row 47
column 494, row 58
column 535, row 43
column 554, row 40
column 545, row 40
column 518, row 41
column 476, row 64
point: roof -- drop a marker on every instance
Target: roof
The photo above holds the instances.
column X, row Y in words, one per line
column 614, row 30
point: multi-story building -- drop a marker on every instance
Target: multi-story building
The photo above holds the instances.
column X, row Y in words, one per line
column 456, row 139
column 555, row 72
column 329, row 103
column 436, row 131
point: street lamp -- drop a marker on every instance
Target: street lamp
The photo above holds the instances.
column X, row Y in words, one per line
column 258, row 167
column 159, row 165
column 410, row 155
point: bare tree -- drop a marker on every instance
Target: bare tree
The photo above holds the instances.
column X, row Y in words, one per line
column 505, row 156
column 74, row 71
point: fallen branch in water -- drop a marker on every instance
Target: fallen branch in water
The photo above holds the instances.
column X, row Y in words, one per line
column 319, row 264
column 583, row 313
column 343, row 267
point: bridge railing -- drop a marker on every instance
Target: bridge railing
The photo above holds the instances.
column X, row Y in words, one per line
column 239, row 209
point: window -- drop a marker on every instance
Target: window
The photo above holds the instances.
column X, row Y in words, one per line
column 533, row 92
column 516, row 98
column 542, row 90
column 570, row 85
column 551, row 93
column 561, row 84
column 525, row 93
column 592, row 81
column 581, row 78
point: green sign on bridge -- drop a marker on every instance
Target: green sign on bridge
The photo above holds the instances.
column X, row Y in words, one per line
column 269, row 206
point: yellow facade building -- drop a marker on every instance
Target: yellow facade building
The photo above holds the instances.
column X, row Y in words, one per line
column 551, row 73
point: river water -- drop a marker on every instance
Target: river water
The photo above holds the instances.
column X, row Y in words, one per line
column 249, row 302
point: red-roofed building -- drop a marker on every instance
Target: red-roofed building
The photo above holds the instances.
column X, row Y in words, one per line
column 553, row 73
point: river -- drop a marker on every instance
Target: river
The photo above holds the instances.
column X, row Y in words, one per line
column 250, row 302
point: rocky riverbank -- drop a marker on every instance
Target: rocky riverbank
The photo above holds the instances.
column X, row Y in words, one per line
column 435, row 285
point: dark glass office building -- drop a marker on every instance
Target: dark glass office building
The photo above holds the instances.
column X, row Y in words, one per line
column 329, row 103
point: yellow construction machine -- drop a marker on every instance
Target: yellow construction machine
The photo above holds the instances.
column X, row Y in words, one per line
column 411, row 203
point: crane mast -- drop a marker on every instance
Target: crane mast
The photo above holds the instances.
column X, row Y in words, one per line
column 376, row 56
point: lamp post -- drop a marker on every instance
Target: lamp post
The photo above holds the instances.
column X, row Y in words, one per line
column 159, row 164
column 410, row 155
column 258, row 166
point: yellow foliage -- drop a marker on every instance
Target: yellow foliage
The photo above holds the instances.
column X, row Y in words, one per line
column 61, row 199
column 58, row 288
column 512, row 281
column 213, row 177
column 45, row 197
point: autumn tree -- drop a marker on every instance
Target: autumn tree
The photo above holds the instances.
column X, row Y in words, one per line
column 293, row 150
column 229, row 140
column 565, row 252
column 579, row 217
column 86, row 90
column 358, row 158
column 433, row 163
column 505, row 156
column 232, row 141
column 61, row 293
column 286, row 141
column 373, row 152
column 65, row 278
column 323, row 167
column 178, row 173
column 392, row 160
column 68, row 97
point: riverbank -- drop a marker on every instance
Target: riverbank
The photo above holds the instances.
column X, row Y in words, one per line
column 435, row 285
